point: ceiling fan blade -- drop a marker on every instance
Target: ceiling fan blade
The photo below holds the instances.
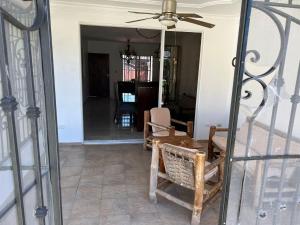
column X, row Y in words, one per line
column 193, row 15
column 171, row 27
column 145, row 13
column 133, row 21
column 198, row 22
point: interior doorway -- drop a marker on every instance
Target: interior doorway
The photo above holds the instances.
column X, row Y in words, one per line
column 98, row 72
column 120, row 72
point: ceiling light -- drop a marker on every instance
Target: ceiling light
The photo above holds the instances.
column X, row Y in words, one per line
column 168, row 20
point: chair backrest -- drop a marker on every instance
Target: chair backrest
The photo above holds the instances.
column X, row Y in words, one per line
column 180, row 164
column 160, row 116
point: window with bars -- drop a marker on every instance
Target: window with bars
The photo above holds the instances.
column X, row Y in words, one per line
column 140, row 68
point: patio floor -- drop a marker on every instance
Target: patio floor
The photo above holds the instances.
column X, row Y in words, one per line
column 108, row 184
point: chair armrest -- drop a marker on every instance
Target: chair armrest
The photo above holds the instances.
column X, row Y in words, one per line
column 212, row 132
column 214, row 164
column 221, row 129
column 158, row 126
column 188, row 124
column 179, row 122
column 171, row 129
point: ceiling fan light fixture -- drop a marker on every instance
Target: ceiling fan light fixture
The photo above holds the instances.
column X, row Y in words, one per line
column 168, row 20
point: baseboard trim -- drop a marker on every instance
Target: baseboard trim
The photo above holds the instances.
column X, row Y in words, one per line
column 113, row 142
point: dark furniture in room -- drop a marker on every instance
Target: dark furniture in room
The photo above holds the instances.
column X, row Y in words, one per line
column 125, row 101
column 134, row 98
column 147, row 98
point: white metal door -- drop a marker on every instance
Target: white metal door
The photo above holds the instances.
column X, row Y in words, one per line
column 29, row 164
column 262, row 182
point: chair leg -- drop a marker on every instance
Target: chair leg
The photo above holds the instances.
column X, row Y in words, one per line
column 145, row 145
column 199, row 188
column 195, row 219
column 154, row 172
column 210, row 152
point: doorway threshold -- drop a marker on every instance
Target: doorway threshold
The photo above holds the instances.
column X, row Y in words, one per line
column 113, row 142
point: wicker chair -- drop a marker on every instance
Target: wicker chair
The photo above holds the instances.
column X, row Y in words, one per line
column 188, row 168
column 159, row 119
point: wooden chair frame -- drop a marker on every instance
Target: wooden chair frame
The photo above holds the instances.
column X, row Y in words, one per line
column 148, row 137
column 211, row 145
column 202, row 196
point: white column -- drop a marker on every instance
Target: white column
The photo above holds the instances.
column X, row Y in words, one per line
column 161, row 66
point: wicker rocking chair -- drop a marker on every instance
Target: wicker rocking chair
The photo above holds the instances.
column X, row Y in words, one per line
column 187, row 168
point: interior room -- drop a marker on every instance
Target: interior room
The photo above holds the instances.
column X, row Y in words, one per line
column 161, row 112
column 120, row 79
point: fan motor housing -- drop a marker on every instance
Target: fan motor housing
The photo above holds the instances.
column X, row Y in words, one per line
column 169, row 6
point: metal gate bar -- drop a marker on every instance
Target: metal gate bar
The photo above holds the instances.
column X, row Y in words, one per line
column 235, row 103
column 12, row 203
column 41, row 24
column 295, row 99
column 240, row 71
column 9, row 105
column 33, row 112
column 279, row 84
column 51, row 120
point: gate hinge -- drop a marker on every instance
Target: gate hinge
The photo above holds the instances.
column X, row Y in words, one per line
column 41, row 212
column 33, row 112
column 8, row 104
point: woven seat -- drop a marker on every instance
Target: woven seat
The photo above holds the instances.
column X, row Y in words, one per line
column 188, row 168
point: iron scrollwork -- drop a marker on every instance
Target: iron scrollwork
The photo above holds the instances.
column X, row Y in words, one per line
column 22, row 23
column 254, row 57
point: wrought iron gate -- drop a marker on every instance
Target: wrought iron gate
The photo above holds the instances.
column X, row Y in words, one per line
column 262, row 183
column 29, row 166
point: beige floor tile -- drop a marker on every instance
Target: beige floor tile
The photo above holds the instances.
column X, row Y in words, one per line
column 86, row 208
column 88, row 192
column 141, row 205
column 132, row 177
column 145, row 219
column 115, row 220
column 84, row 221
column 112, row 169
column 114, row 179
column 114, row 191
column 137, row 190
column 92, row 171
column 115, row 206
column 68, row 194
column 68, row 171
column 93, row 162
column 71, row 181
column 91, row 181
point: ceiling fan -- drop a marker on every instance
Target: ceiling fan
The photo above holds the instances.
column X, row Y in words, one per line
column 168, row 17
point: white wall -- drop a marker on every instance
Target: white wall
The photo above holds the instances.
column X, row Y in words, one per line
column 218, row 48
column 215, row 84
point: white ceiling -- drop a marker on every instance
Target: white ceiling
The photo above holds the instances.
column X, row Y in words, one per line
column 214, row 6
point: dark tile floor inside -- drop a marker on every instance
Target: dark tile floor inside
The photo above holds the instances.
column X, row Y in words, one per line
column 108, row 185
column 99, row 122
